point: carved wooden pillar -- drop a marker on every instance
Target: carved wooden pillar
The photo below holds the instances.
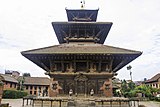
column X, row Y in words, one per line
column 69, row 32
column 85, row 91
column 62, row 65
column 93, row 32
column 85, row 34
column 74, row 66
column 99, row 66
column 55, row 66
column 70, row 67
column 51, row 65
column 91, row 67
column 78, row 32
column 87, row 66
column 110, row 66
column 76, row 87
column 97, row 88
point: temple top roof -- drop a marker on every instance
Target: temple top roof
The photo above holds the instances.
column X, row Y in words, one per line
column 81, row 31
column 82, row 15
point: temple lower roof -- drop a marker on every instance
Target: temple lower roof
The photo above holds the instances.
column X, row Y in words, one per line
column 81, row 51
column 81, row 48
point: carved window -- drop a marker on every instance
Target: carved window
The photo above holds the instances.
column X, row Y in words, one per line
column 104, row 67
column 81, row 66
column 66, row 66
column 74, row 33
column 81, row 33
column 96, row 66
column 58, row 67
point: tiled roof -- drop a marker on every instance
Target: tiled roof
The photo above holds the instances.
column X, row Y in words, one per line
column 36, row 80
column 72, row 13
column 154, row 78
column 137, row 83
column 28, row 80
column 102, row 29
column 8, row 78
column 78, row 48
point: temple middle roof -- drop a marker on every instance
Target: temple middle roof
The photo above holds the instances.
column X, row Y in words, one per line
column 99, row 30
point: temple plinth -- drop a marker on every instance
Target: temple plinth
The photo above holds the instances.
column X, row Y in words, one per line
column 81, row 62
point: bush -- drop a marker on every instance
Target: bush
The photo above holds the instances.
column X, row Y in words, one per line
column 13, row 94
column 155, row 99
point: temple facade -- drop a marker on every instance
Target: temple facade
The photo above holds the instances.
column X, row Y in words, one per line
column 81, row 62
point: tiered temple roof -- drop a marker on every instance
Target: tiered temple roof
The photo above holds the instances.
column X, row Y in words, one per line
column 81, row 35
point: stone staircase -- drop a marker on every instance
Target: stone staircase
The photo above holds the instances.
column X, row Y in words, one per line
column 81, row 103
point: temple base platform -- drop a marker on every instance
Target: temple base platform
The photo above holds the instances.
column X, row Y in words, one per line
column 82, row 101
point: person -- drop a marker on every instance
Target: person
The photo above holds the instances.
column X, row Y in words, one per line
column 70, row 92
column 92, row 92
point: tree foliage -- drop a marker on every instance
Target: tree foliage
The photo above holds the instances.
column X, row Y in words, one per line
column 131, row 90
column 14, row 94
column 129, row 67
column 128, row 89
column 26, row 75
column 147, row 91
column 21, row 83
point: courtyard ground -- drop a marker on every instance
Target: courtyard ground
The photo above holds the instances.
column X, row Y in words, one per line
column 18, row 103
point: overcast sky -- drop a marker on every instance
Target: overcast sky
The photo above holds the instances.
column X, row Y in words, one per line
column 26, row 24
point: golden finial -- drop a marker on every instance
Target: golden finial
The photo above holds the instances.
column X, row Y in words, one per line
column 83, row 4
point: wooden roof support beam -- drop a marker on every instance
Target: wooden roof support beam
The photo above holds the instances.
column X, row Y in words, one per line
column 45, row 67
column 99, row 32
column 119, row 65
column 39, row 63
column 51, row 62
column 110, row 66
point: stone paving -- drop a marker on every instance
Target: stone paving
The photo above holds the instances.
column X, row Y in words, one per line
column 150, row 103
column 18, row 103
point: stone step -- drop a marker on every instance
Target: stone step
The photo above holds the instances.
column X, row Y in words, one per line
column 81, row 103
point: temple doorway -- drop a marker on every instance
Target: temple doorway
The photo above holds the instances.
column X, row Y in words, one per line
column 81, row 84
column 81, row 87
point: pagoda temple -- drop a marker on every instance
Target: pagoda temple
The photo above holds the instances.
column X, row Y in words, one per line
column 81, row 62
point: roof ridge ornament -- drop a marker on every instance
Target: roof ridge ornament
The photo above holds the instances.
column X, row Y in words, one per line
column 83, row 4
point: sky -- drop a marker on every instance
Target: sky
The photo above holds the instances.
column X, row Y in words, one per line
column 26, row 24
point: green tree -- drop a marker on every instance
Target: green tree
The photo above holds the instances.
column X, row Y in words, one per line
column 129, row 68
column 147, row 91
column 131, row 85
column 124, row 88
column 21, row 83
column 26, row 74
column 127, row 89
column 130, row 90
